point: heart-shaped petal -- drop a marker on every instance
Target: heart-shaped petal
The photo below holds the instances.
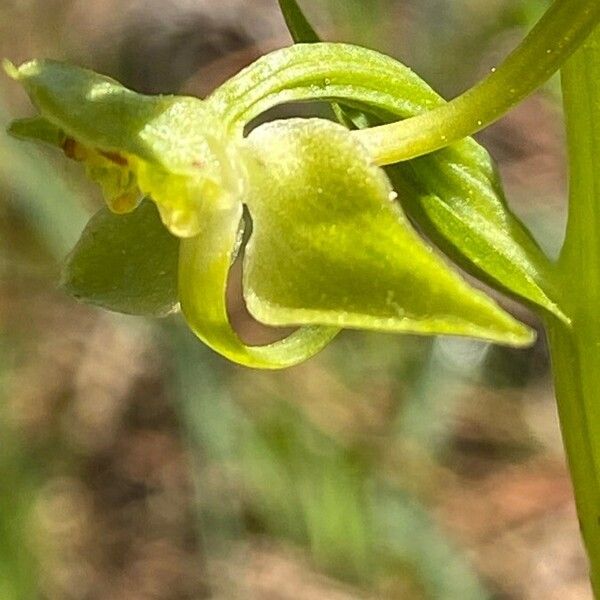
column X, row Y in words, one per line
column 330, row 245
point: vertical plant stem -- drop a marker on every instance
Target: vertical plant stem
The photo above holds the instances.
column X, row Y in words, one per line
column 577, row 388
column 576, row 349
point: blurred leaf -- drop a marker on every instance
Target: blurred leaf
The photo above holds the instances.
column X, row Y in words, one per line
column 306, row 488
column 125, row 263
column 19, row 484
column 331, row 247
column 210, row 422
column 166, row 147
column 440, row 382
column 454, row 194
column 407, row 536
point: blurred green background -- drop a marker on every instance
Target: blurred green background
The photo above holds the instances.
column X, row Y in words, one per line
column 135, row 464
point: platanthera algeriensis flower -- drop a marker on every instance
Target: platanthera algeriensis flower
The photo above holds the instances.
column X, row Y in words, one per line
column 330, row 245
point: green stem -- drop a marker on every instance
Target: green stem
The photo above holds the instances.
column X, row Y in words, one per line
column 576, row 350
column 576, row 382
column 300, row 28
column 560, row 31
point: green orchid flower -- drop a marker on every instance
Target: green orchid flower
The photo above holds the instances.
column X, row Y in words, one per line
column 329, row 248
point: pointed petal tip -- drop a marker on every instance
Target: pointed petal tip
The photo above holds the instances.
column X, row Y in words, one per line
column 521, row 337
column 23, row 71
column 557, row 312
column 10, row 69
